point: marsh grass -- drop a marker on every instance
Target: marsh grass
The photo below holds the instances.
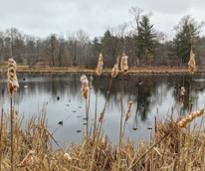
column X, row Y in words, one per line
column 171, row 148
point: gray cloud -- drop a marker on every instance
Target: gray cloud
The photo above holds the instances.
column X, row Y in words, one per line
column 42, row 17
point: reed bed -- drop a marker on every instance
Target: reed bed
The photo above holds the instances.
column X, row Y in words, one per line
column 171, row 148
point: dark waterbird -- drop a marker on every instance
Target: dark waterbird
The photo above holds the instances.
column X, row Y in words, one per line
column 78, row 131
column 60, row 123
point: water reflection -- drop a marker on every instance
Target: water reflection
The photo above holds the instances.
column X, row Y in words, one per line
column 153, row 96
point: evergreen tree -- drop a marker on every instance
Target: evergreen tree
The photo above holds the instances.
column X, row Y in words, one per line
column 146, row 39
column 187, row 34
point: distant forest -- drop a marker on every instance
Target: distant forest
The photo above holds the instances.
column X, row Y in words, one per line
column 141, row 42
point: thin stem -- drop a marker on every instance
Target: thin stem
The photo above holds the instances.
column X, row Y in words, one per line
column 105, row 105
column 11, row 119
column 133, row 163
column 95, row 116
column 1, row 128
column 86, row 117
column 121, row 123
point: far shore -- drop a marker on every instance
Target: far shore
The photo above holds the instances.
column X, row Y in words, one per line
column 133, row 70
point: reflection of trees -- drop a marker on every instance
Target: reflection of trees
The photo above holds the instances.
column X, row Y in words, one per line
column 145, row 91
column 62, row 86
column 138, row 88
column 143, row 96
column 192, row 87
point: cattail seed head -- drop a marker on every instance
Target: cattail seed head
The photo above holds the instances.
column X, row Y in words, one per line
column 115, row 70
column 99, row 68
column 182, row 91
column 12, row 80
column 192, row 64
column 188, row 119
column 124, row 63
column 84, row 86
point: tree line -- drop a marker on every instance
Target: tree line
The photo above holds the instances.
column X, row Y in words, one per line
column 143, row 44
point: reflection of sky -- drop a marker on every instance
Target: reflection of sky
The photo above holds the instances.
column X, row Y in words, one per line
column 159, row 95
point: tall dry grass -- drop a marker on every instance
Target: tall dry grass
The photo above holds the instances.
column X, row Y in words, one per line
column 172, row 148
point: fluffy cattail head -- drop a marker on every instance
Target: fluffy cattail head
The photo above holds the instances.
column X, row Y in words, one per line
column 124, row 63
column 99, row 68
column 192, row 63
column 188, row 119
column 115, row 70
column 182, row 91
column 12, row 80
column 84, row 86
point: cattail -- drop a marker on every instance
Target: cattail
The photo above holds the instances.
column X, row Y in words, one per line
column 192, row 63
column 67, row 157
column 124, row 63
column 182, row 91
column 115, row 70
column 28, row 159
column 84, row 86
column 13, row 84
column 181, row 96
column 128, row 113
column 99, row 68
column 188, row 119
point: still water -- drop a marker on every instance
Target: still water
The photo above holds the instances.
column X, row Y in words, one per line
column 152, row 96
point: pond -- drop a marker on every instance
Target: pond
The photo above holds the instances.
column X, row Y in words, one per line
column 152, row 96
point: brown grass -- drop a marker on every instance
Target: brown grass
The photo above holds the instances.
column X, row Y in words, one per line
column 132, row 70
column 172, row 148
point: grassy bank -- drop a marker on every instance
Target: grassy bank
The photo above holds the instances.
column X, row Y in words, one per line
column 171, row 148
column 133, row 70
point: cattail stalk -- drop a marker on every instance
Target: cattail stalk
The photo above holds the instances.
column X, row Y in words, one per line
column 128, row 114
column 85, row 89
column 1, row 129
column 12, row 88
column 12, row 133
column 124, row 68
column 95, row 116
column 102, row 114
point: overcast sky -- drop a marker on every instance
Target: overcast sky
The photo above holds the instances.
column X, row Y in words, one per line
column 43, row 17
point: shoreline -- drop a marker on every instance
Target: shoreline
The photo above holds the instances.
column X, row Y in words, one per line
column 160, row 70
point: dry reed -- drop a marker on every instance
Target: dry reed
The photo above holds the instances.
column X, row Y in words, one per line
column 174, row 149
column 85, row 89
column 13, row 85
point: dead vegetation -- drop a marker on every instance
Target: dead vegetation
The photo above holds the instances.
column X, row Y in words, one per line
column 172, row 148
